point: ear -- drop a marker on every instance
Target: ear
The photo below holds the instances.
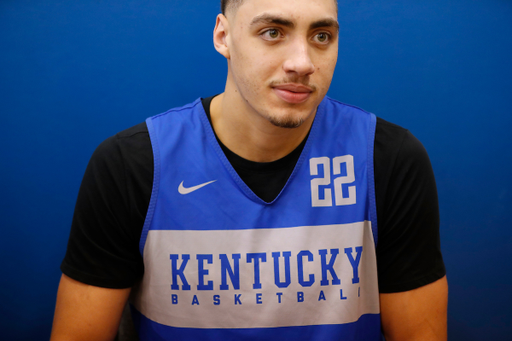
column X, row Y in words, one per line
column 220, row 35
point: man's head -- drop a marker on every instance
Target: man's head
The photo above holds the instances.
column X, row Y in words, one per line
column 281, row 56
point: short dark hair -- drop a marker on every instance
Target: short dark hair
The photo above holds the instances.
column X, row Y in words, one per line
column 227, row 5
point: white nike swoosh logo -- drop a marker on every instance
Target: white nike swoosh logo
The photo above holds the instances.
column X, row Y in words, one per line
column 186, row 190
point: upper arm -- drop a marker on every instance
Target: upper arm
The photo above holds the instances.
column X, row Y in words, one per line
column 408, row 250
column 85, row 312
column 418, row 314
column 103, row 246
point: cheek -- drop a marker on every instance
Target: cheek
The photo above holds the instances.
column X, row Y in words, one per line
column 246, row 78
column 325, row 69
column 252, row 72
column 255, row 60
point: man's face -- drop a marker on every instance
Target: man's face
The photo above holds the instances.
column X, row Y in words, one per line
column 282, row 55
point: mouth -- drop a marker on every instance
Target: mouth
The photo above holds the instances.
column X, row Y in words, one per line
column 293, row 93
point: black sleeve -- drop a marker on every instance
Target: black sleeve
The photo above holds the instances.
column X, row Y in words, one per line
column 103, row 247
column 408, row 249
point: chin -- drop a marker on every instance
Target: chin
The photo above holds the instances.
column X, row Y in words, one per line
column 293, row 119
column 287, row 122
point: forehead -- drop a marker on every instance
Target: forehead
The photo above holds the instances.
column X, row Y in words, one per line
column 296, row 10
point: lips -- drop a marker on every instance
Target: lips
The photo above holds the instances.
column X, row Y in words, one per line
column 293, row 93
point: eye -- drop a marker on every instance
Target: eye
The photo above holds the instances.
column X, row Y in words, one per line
column 323, row 37
column 271, row 34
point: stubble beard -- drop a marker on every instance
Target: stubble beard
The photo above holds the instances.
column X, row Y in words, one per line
column 286, row 122
column 289, row 121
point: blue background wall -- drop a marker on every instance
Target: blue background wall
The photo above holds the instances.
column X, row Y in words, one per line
column 75, row 72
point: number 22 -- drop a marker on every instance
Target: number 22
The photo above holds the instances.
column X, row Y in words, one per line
column 348, row 160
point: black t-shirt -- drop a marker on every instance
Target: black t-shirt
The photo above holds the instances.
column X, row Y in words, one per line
column 103, row 248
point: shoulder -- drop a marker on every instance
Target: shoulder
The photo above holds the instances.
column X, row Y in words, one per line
column 399, row 159
column 388, row 133
column 123, row 163
column 132, row 144
column 139, row 129
column 132, row 136
column 396, row 148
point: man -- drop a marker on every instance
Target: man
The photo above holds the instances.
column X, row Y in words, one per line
column 256, row 210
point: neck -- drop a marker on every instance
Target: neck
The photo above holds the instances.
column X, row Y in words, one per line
column 250, row 135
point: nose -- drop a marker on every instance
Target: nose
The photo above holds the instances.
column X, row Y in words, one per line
column 298, row 60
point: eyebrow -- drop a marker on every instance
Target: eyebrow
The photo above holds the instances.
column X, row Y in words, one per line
column 325, row 23
column 266, row 18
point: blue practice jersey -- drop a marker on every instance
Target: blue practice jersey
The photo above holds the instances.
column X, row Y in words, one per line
column 222, row 264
